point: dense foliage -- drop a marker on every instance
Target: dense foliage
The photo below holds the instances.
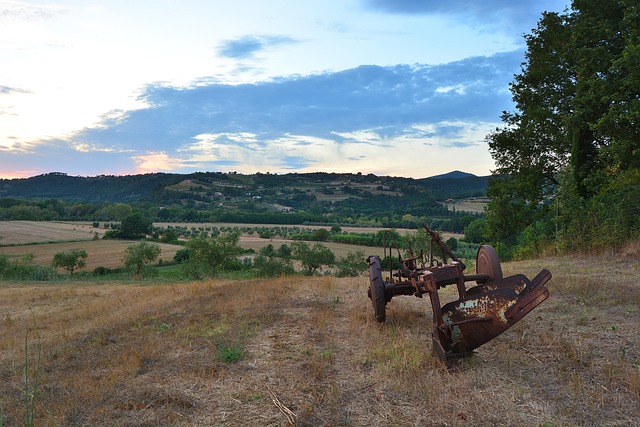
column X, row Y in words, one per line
column 568, row 157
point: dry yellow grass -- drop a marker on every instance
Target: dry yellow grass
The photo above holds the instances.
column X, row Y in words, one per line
column 24, row 232
column 124, row 354
column 474, row 205
column 105, row 253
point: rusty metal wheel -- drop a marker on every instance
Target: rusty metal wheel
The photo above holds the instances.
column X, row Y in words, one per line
column 487, row 262
column 376, row 289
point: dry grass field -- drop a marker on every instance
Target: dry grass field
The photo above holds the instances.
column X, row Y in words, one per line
column 306, row 351
column 474, row 205
column 25, row 232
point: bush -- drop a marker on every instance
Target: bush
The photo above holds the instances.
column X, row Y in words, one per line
column 452, row 243
column 18, row 271
column 105, row 271
column 4, row 263
column 23, row 269
column 352, row 265
column 272, row 266
column 181, row 256
column 314, row 257
column 211, row 255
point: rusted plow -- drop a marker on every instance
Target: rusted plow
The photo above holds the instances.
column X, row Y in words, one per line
column 483, row 311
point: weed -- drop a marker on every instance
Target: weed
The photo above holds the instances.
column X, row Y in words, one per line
column 230, row 352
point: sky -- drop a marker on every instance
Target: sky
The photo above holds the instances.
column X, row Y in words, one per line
column 391, row 87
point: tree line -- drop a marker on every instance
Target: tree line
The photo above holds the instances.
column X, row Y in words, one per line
column 385, row 212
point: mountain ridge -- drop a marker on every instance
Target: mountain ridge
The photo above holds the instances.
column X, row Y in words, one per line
column 292, row 189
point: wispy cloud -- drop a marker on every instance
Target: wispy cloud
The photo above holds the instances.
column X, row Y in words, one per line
column 248, row 47
column 6, row 90
column 16, row 9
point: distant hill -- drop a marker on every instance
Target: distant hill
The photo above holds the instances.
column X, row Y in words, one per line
column 457, row 185
column 294, row 189
column 103, row 188
column 453, row 175
column 262, row 198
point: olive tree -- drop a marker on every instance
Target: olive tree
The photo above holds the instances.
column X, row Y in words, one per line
column 136, row 256
column 209, row 255
column 313, row 257
column 70, row 260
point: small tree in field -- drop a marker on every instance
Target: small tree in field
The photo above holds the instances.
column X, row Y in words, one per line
column 138, row 255
column 70, row 260
column 314, row 257
column 210, row 255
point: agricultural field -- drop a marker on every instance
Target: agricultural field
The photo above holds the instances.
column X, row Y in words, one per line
column 473, row 205
column 27, row 232
column 45, row 239
column 105, row 253
column 307, row 351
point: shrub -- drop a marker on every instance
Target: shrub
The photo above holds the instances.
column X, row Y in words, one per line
column 352, row 265
column 181, row 256
column 101, row 271
column 314, row 257
column 24, row 269
column 210, row 255
column 272, row 266
column 452, row 243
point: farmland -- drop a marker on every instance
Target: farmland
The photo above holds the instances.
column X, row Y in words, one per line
column 26, row 232
column 44, row 239
column 221, row 352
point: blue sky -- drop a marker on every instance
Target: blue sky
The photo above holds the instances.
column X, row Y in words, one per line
column 391, row 87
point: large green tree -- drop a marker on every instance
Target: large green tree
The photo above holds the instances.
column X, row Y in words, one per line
column 135, row 226
column 577, row 111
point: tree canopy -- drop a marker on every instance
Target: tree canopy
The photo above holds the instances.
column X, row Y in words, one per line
column 136, row 256
column 70, row 260
column 569, row 152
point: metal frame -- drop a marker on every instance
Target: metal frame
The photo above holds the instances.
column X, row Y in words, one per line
column 481, row 312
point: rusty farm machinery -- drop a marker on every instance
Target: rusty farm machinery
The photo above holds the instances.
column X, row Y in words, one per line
column 490, row 306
